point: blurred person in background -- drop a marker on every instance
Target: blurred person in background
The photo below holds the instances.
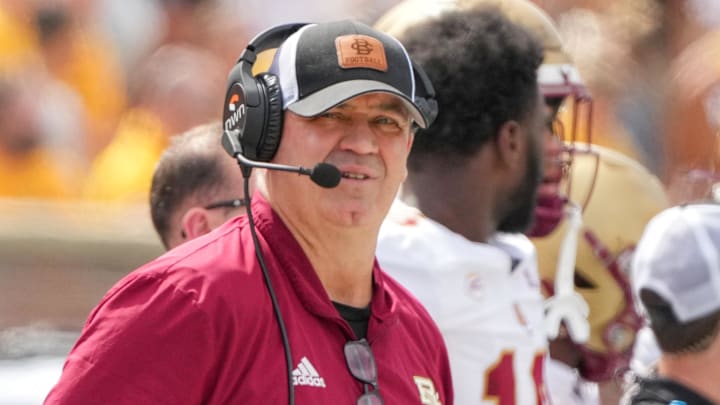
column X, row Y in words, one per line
column 653, row 67
column 676, row 56
column 18, row 37
column 253, row 14
column 39, row 118
column 676, row 277
column 77, row 53
column 80, row 90
column 693, row 131
column 208, row 24
column 134, row 27
column 139, row 27
column 186, row 21
column 196, row 186
column 42, row 120
column 175, row 89
column 556, row 8
column 603, row 59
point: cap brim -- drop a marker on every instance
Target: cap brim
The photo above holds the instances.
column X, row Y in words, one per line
column 329, row 97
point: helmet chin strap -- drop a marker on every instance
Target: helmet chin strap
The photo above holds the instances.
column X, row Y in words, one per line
column 566, row 306
column 548, row 215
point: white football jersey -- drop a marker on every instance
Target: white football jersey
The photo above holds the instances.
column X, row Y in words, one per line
column 485, row 298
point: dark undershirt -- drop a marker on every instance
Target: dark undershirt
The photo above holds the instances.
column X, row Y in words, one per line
column 358, row 318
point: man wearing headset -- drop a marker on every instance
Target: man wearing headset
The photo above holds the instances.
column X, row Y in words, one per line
column 198, row 324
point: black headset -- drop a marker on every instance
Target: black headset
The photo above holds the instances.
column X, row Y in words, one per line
column 253, row 104
column 424, row 94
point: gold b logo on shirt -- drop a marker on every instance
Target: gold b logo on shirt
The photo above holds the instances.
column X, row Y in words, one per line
column 361, row 51
column 428, row 393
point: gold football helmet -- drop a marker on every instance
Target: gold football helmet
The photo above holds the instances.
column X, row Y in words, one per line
column 621, row 196
column 558, row 78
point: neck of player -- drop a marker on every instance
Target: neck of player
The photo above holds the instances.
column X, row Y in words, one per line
column 443, row 193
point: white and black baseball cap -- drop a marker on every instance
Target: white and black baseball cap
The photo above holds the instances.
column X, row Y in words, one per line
column 678, row 258
column 323, row 65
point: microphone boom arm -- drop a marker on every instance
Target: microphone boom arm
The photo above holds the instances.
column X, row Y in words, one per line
column 323, row 174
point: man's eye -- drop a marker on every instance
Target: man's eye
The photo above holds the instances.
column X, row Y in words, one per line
column 386, row 121
column 331, row 115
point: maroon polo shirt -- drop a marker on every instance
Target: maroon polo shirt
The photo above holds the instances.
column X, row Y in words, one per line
column 196, row 326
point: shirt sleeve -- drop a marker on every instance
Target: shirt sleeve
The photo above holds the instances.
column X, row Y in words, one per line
column 146, row 342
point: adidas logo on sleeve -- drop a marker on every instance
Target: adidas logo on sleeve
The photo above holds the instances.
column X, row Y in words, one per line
column 305, row 374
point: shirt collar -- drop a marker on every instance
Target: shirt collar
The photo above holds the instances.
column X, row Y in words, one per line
column 274, row 235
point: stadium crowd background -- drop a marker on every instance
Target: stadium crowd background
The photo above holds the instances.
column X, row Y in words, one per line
column 92, row 90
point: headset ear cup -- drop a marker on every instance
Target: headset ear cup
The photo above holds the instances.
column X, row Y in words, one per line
column 429, row 109
column 425, row 94
column 274, row 122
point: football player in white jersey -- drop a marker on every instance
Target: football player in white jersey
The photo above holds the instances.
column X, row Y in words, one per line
column 588, row 356
column 454, row 237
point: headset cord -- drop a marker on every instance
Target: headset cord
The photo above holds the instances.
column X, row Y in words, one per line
column 271, row 292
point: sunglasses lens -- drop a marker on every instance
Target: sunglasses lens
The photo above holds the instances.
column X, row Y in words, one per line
column 371, row 398
column 360, row 361
column 226, row 204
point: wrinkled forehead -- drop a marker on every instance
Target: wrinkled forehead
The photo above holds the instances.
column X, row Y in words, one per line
column 378, row 101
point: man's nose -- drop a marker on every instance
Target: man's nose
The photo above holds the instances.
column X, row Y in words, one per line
column 360, row 138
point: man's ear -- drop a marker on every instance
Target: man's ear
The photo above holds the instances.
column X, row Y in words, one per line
column 195, row 223
column 509, row 143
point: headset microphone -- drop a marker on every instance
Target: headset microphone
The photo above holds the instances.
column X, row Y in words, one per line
column 323, row 174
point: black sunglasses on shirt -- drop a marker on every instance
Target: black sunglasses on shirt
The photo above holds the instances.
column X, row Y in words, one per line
column 361, row 363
